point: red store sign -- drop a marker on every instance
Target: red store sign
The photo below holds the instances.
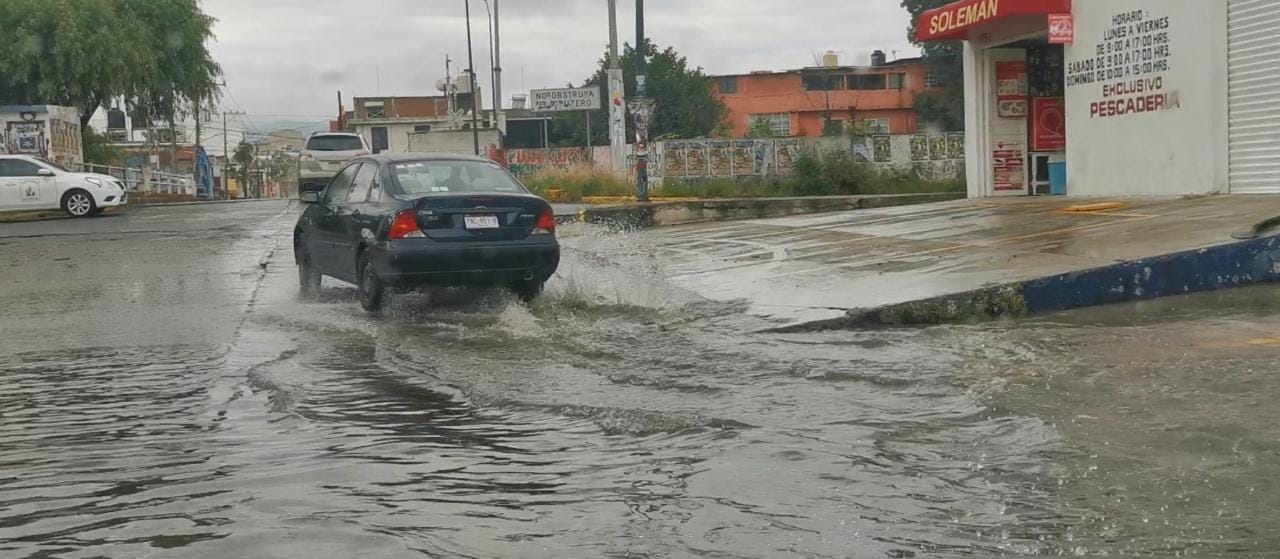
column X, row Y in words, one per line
column 1062, row 29
column 954, row 21
column 1049, row 124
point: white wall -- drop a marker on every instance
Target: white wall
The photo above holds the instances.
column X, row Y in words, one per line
column 453, row 141
column 397, row 135
column 1174, row 151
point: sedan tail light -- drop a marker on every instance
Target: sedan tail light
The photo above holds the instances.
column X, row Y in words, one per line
column 546, row 224
column 405, row 226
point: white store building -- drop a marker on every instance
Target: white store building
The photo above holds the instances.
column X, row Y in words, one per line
column 1130, row 97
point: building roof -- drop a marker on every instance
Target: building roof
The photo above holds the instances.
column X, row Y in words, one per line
column 389, row 97
column 814, row 69
column 405, row 157
column 24, row 108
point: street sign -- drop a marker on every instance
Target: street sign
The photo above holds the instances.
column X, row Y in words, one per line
column 561, row 100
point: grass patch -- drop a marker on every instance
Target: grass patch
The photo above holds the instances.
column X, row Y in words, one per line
column 576, row 183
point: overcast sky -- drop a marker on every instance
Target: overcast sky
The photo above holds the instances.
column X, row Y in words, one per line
column 290, row 57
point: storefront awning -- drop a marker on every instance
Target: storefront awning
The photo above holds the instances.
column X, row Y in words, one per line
column 954, row 21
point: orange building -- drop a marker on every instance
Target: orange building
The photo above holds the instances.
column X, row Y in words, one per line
column 824, row 100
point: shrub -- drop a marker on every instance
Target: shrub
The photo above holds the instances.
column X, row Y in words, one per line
column 810, row 177
column 576, row 183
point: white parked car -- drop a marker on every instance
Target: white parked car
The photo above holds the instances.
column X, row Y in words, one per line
column 27, row 183
column 324, row 154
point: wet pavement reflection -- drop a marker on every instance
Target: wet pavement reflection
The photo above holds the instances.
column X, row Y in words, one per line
column 622, row 416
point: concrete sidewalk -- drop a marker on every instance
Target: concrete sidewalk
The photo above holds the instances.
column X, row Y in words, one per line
column 840, row 265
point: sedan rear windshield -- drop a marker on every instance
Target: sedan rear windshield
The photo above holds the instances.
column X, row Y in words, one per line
column 442, row 177
column 335, row 143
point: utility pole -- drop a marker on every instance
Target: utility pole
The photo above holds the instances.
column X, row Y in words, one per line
column 449, row 92
column 195, row 155
column 641, row 90
column 499, row 117
column 617, row 96
column 495, row 70
column 642, row 110
column 226, row 152
column 493, row 87
column 471, row 69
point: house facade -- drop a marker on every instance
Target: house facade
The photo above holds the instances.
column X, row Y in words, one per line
column 388, row 123
column 828, row 99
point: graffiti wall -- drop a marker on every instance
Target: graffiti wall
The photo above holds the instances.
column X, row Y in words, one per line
column 935, row 157
column 528, row 162
column 727, row 158
column 931, row 156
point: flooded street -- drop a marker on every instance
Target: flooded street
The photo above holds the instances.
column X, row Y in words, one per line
column 187, row 404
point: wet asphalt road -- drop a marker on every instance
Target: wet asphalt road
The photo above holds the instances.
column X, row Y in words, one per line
column 163, row 393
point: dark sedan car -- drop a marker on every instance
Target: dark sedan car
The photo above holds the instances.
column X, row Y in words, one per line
column 398, row 222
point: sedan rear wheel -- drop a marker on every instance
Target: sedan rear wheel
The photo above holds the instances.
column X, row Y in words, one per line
column 371, row 289
column 79, row 203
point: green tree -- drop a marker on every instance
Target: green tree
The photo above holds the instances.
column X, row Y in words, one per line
column 687, row 107
column 78, row 53
column 98, row 148
column 84, row 53
column 946, row 62
column 183, row 75
column 759, row 128
column 244, row 156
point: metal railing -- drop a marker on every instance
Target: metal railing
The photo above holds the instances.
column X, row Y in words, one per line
column 145, row 180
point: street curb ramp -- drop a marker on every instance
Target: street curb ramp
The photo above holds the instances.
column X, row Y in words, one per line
column 658, row 214
column 1193, row 271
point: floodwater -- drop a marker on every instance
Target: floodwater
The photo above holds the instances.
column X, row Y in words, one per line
column 622, row 416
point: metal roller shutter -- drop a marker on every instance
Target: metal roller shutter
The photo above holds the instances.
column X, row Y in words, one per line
column 1254, row 96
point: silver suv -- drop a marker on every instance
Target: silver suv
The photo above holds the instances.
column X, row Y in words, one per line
column 324, row 154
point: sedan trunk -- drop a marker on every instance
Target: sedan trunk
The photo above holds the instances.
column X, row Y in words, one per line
column 479, row 217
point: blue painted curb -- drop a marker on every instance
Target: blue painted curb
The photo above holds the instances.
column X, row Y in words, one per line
column 1193, row 271
column 1207, row 269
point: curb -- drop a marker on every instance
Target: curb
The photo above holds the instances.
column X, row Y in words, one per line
column 202, row 202
column 31, row 216
column 667, row 213
column 1194, row 271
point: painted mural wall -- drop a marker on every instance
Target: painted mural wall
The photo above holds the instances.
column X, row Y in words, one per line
column 52, row 134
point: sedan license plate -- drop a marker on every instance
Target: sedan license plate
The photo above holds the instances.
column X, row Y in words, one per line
column 481, row 221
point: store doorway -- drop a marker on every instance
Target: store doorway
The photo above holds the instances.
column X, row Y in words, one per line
column 1027, row 127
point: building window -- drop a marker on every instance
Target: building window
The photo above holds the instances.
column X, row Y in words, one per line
column 374, row 110
column 421, row 128
column 727, row 86
column 897, row 81
column 823, row 83
column 832, row 127
column 867, row 82
column 932, row 80
column 779, row 123
column 875, row 125
column 380, row 140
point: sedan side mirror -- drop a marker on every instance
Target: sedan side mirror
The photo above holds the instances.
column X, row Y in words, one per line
column 310, row 197
column 44, row 173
